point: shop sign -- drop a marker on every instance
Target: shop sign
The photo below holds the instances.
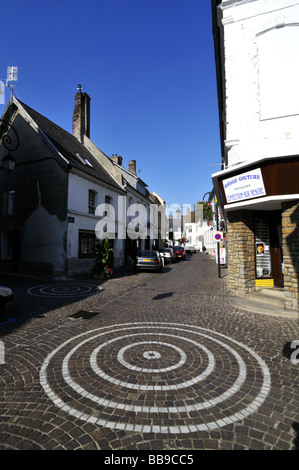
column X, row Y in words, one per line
column 244, row 186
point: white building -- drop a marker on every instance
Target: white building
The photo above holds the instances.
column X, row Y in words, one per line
column 256, row 50
column 63, row 192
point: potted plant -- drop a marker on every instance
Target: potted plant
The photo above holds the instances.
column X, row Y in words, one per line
column 207, row 209
column 103, row 258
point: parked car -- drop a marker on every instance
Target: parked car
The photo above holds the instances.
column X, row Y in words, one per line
column 148, row 259
column 167, row 254
column 174, row 255
column 190, row 249
column 180, row 252
column 6, row 295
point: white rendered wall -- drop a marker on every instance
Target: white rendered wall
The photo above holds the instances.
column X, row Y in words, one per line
column 261, row 44
column 78, row 209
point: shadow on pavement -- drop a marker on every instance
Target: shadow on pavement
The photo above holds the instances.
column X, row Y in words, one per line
column 163, row 296
column 291, row 350
column 296, row 440
column 33, row 298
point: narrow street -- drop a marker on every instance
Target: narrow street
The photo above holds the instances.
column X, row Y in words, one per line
column 145, row 361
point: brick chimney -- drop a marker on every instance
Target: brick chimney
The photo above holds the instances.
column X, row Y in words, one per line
column 81, row 115
column 132, row 167
column 117, row 159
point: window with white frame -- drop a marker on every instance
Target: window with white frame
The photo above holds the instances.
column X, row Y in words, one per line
column 92, row 195
column 108, row 203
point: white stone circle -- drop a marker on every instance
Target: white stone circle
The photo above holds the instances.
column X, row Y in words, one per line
column 173, row 332
column 148, row 355
column 63, row 290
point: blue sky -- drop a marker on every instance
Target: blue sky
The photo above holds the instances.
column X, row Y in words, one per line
column 149, row 68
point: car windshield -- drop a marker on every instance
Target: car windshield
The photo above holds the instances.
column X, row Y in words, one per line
column 179, row 248
column 147, row 254
column 165, row 250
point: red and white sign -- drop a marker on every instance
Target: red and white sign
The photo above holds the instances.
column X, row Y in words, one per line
column 218, row 236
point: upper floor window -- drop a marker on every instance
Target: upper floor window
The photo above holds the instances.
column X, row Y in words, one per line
column 9, row 203
column 108, row 203
column 278, row 70
column 92, row 201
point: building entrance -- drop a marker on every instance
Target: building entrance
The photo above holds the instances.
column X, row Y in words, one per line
column 268, row 249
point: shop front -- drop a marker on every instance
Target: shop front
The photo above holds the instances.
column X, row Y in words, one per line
column 260, row 201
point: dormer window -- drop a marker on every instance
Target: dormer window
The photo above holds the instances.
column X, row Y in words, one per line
column 83, row 160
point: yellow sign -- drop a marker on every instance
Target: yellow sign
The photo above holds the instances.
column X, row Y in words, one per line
column 264, row 282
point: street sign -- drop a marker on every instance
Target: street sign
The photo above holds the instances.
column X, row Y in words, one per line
column 218, row 236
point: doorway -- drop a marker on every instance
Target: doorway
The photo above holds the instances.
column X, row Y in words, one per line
column 268, row 247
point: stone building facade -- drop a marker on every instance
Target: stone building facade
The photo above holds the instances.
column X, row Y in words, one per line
column 290, row 235
column 240, row 259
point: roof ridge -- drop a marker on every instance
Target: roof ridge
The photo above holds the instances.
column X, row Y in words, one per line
column 69, row 146
column 49, row 120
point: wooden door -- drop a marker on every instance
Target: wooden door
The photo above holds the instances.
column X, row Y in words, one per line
column 276, row 247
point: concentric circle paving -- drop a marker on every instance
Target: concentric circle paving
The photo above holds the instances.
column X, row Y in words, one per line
column 156, row 377
column 64, row 290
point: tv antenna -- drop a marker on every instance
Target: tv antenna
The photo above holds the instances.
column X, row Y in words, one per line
column 11, row 76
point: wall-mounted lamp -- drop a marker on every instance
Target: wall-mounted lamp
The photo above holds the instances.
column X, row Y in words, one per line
column 9, row 163
column 10, row 145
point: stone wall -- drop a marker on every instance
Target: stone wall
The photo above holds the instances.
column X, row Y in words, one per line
column 78, row 266
column 240, row 252
column 290, row 236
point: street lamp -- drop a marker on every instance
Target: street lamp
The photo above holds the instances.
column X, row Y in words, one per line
column 217, row 228
column 9, row 163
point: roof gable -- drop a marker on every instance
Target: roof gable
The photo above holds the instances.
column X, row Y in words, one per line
column 79, row 157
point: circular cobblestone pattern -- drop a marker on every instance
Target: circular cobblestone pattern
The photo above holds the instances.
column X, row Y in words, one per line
column 64, row 290
column 130, row 377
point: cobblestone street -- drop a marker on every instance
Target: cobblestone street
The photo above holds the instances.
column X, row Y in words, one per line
column 145, row 361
